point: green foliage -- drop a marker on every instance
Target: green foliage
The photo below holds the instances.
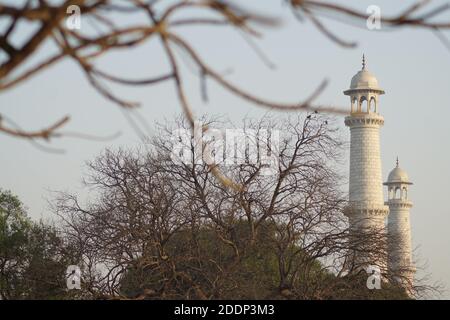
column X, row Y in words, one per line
column 205, row 258
column 33, row 260
column 202, row 256
column 354, row 287
column 14, row 230
column 32, row 265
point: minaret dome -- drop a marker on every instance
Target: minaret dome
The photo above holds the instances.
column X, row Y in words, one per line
column 364, row 88
column 398, row 183
column 397, row 175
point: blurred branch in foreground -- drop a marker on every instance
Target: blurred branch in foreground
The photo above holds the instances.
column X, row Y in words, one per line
column 163, row 21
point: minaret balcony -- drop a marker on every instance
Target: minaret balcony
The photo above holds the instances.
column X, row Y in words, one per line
column 366, row 208
column 399, row 203
column 364, row 119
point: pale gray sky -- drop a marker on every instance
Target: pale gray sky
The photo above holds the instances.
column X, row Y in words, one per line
column 410, row 64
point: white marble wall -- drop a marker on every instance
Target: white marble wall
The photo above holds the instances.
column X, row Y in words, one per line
column 366, row 184
column 399, row 231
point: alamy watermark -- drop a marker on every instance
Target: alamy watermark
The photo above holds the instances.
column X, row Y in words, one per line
column 73, row 276
column 374, row 279
column 73, row 21
column 373, row 21
column 227, row 147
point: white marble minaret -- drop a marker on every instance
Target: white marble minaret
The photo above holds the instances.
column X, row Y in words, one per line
column 366, row 203
column 399, row 230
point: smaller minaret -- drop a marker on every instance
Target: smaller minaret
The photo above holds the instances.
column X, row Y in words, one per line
column 399, row 230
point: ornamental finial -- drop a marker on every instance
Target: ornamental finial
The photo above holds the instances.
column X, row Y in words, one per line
column 364, row 62
column 397, row 161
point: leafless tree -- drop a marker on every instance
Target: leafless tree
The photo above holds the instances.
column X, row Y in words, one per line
column 183, row 234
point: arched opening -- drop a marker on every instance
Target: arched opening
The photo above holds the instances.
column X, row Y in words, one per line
column 390, row 193
column 372, row 105
column 363, row 104
column 405, row 193
column 397, row 193
column 353, row 101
